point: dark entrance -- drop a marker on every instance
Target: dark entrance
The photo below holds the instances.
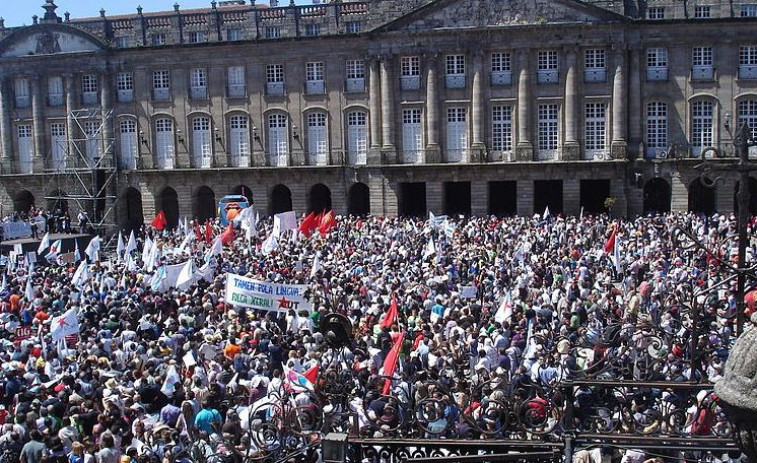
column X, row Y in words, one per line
column 752, row 197
column 134, row 218
column 319, row 199
column 359, row 200
column 701, row 198
column 503, row 198
column 593, row 196
column 243, row 190
column 57, row 202
column 412, row 200
column 168, row 202
column 281, row 199
column 23, row 201
column 204, row 204
column 457, row 198
column 656, row 196
column 548, row 193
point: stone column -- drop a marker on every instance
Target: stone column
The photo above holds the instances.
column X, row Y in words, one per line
column 571, row 149
column 478, row 147
column 71, row 130
column 433, row 151
column 524, row 149
column 679, row 194
column 109, row 138
column 618, row 146
column 38, row 125
column 636, row 130
column 388, row 148
column 374, row 106
column 6, row 127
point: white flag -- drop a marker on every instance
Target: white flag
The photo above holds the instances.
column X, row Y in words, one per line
column 130, row 264
column 146, row 247
column 286, row 221
column 546, row 213
column 81, row 275
column 270, row 244
column 215, row 249
column 616, row 255
column 505, row 311
column 120, row 245
column 66, row 324
column 316, row 264
column 4, row 287
column 29, row 292
column 44, row 244
column 92, row 248
column 430, row 249
column 172, row 378
column 186, row 276
column 185, row 242
column 132, row 244
column 54, row 250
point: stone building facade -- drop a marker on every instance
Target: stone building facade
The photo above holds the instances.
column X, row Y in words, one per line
column 380, row 106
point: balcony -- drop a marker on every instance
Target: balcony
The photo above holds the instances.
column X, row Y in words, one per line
column 455, row 80
column 274, row 88
column 595, row 75
column 161, row 94
column 356, row 85
column 657, row 74
column 410, row 82
column 237, row 91
column 747, row 71
column 239, row 161
column 22, row 101
column 315, row 87
column 55, row 99
column 125, row 96
column 502, row 77
column 547, row 76
column 198, row 93
column 702, row 73
column 89, row 97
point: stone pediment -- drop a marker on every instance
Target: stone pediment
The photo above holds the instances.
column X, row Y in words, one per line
column 48, row 40
column 466, row 14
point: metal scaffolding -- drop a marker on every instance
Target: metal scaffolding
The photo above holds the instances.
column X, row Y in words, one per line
column 83, row 168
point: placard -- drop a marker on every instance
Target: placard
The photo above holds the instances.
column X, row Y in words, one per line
column 260, row 295
column 468, row 292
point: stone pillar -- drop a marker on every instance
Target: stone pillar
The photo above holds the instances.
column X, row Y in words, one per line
column 679, row 194
column 6, row 127
column 71, row 131
column 525, row 199
column 479, row 192
column 636, row 127
column 376, row 195
column 433, row 151
column 260, row 198
column 300, row 192
column 619, row 144
column 478, row 147
column 571, row 193
column 38, row 125
column 724, row 195
column 524, row 149
column 389, row 151
column 109, row 137
column 571, row 149
column 618, row 191
column 374, row 100
column 435, row 197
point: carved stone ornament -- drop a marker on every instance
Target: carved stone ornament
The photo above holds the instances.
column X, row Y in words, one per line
column 47, row 43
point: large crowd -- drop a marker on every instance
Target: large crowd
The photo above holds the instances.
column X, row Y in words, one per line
column 472, row 309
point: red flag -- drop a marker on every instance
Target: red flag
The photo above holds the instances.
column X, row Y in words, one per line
column 308, row 225
column 198, row 232
column 312, row 373
column 327, row 223
column 208, row 232
column 390, row 362
column 159, row 222
column 391, row 314
column 610, row 244
column 227, row 237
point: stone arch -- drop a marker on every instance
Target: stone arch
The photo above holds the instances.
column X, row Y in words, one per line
column 359, row 199
column 23, row 201
column 204, row 204
column 245, row 191
column 133, row 217
column 657, row 194
column 281, row 199
column 701, row 198
column 168, row 202
column 319, row 198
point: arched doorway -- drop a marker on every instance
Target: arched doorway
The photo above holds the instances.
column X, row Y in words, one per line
column 701, row 198
column 752, row 197
column 133, row 207
column 548, row 194
column 281, row 199
column 359, row 200
column 243, row 190
column 503, row 198
column 319, row 199
column 656, row 196
column 168, row 202
column 457, row 198
column 204, row 204
column 23, row 201
column 57, row 202
column 412, row 199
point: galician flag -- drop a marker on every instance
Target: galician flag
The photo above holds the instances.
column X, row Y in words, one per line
column 44, row 244
column 65, row 325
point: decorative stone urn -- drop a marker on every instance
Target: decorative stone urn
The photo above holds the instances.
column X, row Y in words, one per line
column 738, row 390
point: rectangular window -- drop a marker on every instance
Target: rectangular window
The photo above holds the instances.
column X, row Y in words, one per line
column 278, row 140
column 501, row 69
column 164, row 143
column 272, row 32
column 197, row 37
column 410, row 72
column 657, row 64
column 656, row 12
column 748, row 115
column 198, row 83
column 233, row 34
column 547, row 131
column 595, row 134
column 748, row 62
column 701, row 126
column 502, row 129
column 749, row 10
column 21, row 92
column 161, row 85
column 354, row 27
column 412, row 136
column 123, row 42
column 274, row 79
column 701, row 63
column 455, row 71
column 128, row 134
column 312, row 30
column 314, row 75
column 457, row 134
column 89, row 88
column 547, row 72
column 236, row 82
column 318, row 145
column 595, row 65
column 657, row 129
column 355, row 76
column 125, row 86
column 55, row 91
column 702, row 12
column 25, row 149
column 58, row 144
column 357, row 137
column 240, row 141
column 92, row 144
column 202, row 145
column 158, row 39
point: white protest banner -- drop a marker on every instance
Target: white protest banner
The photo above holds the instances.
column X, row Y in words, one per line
column 260, row 295
column 468, row 292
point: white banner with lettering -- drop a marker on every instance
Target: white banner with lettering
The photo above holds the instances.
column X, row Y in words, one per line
column 260, row 295
column 13, row 230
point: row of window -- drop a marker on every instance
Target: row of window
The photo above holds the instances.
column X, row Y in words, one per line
column 748, row 10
